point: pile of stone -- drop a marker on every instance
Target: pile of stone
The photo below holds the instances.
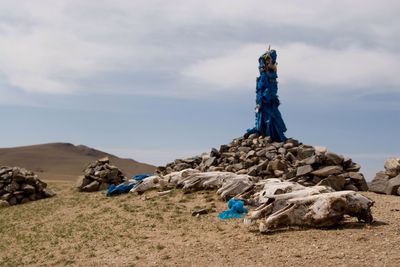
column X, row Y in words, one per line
column 99, row 175
column 388, row 181
column 19, row 186
column 291, row 160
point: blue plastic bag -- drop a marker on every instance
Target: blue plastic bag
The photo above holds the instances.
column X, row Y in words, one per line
column 140, row 177
column 121, row 188
column 236, row 210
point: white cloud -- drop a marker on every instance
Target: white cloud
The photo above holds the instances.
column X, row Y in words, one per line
column 334, row 69
column 58, row 47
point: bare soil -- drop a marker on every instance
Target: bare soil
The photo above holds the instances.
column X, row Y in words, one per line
column 90, row 229
column 64, row 161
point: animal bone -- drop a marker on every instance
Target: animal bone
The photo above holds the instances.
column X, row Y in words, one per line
column 322, row 210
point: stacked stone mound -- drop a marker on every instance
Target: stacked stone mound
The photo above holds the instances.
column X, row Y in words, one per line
column 98, row 175
column 19, row 186
column 291, row 160
column 387, row 181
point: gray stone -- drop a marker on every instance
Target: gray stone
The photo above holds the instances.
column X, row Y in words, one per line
column 328, row 170
column 334, row 181
column 103, row 186
column 4, row 204
column 13, row 201
column 350, row 187
column 244, row 149
column 303, row 170
column 28, row 188
column 104, row 160
column 211, row 161
column 92, row 187
column 392, row 186
column 215, row 153
column 392, row 167
column 178, row 167
column 354, row 167
column 48, row 192
column 303, row 153
column 275, row 165
column 379, row 183
column 333, row 158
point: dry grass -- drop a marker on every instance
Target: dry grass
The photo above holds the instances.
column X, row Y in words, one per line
column 81, row 229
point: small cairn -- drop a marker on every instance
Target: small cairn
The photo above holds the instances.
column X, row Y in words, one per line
column 387, row 181
column 19, row 186
column 291, row 160
column 99, row 175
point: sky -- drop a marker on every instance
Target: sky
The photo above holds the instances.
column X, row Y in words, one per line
column 155, row 80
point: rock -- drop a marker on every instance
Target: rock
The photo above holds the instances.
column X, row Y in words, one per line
column 303, row 170
column 28, row 188
column 104, row 160
column 320, row 150
column 48, row 192
column 214, row 153
column 210, row 162
column 99, row 174
column 260, row 157
column 354, row 167
column 329, row 170
column 304, row 153
column 333, row 158
column 276, row 165
column 201, row 211
column 392, row 186
column 92, row 187
column 18, row 186
column 4, row 204
column 392, row 167
column 334, row 181
column 350, row 187
column 379, row 183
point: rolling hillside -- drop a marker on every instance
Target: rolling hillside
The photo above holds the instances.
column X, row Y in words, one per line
column 64, row 161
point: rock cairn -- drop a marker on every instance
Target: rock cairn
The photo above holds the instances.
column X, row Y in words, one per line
column 98, row 175
column 19, row 186
column 387, row 181
column 290, row 160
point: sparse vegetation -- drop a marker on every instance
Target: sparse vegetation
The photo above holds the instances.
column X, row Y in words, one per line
column 80, row 229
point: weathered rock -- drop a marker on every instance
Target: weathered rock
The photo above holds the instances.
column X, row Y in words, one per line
column 99, row 174
column 392, row 186
column 336, row 182
column 328, row 170
column 303, row 170
column 392, row 167
column 333, row 158
column 379, row 183
column 4, row 204
column 18, row 186
column 260, row 157
column 92, row 187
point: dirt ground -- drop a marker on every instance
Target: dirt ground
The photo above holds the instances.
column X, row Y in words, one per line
column 90, row 229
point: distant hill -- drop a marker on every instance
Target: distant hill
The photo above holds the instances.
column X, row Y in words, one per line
column 64, row 161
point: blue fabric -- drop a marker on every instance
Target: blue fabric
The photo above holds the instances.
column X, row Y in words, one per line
column 269, row 120
column 140, row 177
column 236, row 210
column 121, row 188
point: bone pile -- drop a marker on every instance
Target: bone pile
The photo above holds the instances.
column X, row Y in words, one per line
column 276, row 203
column 19, row 186
column 290, row 160
column 98, row 175
column 388, row 181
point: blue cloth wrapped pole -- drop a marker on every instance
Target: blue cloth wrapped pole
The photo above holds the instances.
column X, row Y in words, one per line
column 269, row 120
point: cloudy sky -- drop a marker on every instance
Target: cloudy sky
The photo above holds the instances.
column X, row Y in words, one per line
column 156, row 80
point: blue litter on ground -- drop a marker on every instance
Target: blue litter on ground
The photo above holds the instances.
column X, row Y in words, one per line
column 236, row 210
